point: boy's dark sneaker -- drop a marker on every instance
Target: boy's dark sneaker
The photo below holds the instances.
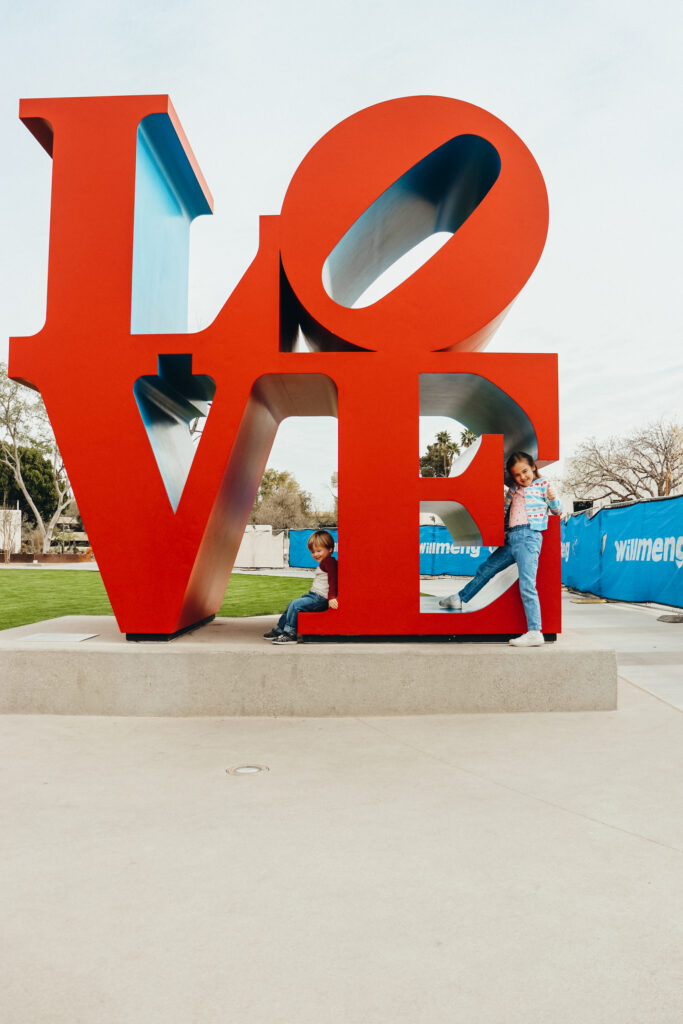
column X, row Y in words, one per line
column 285, row 638
column 272, row 633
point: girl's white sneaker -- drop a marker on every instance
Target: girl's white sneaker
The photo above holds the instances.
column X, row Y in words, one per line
column 531, row 639
column 453, row 602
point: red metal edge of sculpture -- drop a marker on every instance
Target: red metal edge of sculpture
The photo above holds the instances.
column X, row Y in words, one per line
column 379, row 182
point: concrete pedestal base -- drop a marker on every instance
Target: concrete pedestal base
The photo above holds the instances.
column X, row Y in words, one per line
column 226, row 668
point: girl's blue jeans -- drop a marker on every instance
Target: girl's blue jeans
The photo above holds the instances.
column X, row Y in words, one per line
column 523, row 546
column 308, row 603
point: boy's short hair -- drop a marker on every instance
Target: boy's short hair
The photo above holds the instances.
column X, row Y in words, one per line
column 321, row 539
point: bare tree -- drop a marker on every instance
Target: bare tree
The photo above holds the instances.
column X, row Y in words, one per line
column 24, row 424
column 333, row 488
column 281, row 503
column 646, row 464
column 10, row 530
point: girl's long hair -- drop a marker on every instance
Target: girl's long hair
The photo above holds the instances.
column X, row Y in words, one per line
column 519, row 457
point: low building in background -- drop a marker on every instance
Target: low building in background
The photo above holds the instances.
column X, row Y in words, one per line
column 261, row 549
column 69, row 535
column 10, row 532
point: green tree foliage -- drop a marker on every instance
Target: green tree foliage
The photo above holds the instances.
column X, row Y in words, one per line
column 438, row 459
column 281, row 503
column 36, row 472
column 467, row 438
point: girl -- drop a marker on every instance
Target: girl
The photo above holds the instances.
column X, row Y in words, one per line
column 526, row 516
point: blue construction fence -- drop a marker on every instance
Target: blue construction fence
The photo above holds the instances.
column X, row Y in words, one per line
column 633, row 553
column 438, row 554
column 299, row 555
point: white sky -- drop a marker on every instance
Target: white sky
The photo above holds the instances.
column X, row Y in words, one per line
column 594, row 89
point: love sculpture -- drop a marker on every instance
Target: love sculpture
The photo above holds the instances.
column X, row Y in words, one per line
column 122, row 380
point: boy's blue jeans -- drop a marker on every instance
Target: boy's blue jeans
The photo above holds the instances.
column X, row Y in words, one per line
column 308, row 603
column 523, row 546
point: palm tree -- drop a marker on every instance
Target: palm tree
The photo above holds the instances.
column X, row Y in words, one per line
column 439, row 456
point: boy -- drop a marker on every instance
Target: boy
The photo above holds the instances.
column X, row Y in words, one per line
column 322, row 595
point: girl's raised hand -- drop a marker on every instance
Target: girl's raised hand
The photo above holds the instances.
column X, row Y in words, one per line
column 551, row 493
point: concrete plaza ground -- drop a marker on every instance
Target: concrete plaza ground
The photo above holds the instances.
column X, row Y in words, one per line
column 475, row 869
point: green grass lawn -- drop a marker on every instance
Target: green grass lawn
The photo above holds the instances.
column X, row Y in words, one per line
column 30, row 595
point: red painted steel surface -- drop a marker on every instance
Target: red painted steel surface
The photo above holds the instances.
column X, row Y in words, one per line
column 165, row 571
